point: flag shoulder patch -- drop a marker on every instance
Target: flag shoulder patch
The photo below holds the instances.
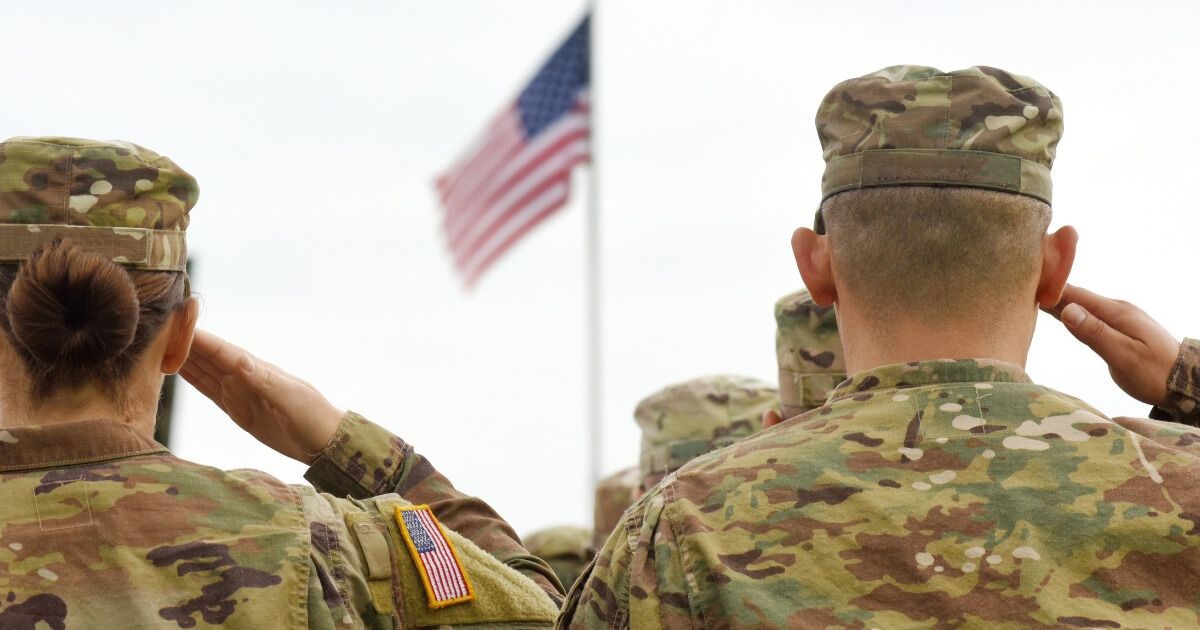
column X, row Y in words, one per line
column 446, row 582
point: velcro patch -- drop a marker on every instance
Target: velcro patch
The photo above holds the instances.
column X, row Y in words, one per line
column 442, row 572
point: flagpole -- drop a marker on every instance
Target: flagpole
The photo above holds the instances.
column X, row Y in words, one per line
column 592, row 270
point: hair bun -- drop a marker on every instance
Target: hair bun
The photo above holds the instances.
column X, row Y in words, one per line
column 72, row 310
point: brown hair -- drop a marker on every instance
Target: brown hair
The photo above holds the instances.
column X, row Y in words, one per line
column 77, row 318
column 938, row 253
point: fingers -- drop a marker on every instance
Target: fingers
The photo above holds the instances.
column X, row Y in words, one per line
column 221, row 354
column 203, row 381
column 1139, row 352
column 1094, row 332
column 1107, row 309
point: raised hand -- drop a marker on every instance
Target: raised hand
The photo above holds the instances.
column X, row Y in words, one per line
column 1139, row 352
column 280, row 410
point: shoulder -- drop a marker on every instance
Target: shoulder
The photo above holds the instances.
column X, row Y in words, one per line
column 396, row 558
column 1163, row 434
column 624, row 574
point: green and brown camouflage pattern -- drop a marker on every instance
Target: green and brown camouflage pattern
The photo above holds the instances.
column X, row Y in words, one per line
column 1183, row 388
column 102, row 528
column 566, row 548
column 809, row 351
column 614, row 495
column 694, row 417
column 939, row 494
column 364, row 460
column 114, row 198
column 915, row 125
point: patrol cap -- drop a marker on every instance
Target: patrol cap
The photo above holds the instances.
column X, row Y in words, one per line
column 614, row 495
column 113, row 198
column 915, row 125
column 566, row 548
column 809, row 350
column 695, row 417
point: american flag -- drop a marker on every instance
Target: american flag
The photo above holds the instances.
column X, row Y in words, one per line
column 445, row 581
column 518, row 172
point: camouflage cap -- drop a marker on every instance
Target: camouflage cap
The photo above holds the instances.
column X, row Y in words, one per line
column 113, row 198
column 614, row 495
column 811, row 362
column 566, row 548
column 915, row 125
column 695, row 417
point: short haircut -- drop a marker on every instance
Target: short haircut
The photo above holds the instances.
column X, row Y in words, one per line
column 936, row 253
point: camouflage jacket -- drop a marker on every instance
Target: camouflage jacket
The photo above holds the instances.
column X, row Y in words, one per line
column 941, row 494
column 101, row 527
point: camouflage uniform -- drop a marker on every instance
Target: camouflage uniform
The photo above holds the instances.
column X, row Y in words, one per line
column 614, row 495
column 809, row 351
column 695, row 417
column 101, row 527
column 933, row 494
column 1182, row 388
column 566, row 548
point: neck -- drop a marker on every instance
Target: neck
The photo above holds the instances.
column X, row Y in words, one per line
column 86, row 403
column 872, row 342
column 138, row 407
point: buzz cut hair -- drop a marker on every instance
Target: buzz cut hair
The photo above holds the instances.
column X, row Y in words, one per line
column 937, row 253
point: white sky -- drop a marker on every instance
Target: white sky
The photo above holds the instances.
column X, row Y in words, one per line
column 316, row 130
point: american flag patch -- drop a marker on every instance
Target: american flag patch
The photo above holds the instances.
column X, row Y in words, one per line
column 445, row 580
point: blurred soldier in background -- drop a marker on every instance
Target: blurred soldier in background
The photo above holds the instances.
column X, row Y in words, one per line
column 695, row 417
column 809, row 350
column 566, row 548
column 614, row 495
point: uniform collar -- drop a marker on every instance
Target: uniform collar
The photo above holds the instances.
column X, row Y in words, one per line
column 918, row 374
column 70, row 444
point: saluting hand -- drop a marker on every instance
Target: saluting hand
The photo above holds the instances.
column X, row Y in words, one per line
column 280, row 410
column 1139, row 352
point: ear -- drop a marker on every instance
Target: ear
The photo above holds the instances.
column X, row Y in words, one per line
column 1058, row 256
column 815, row 262
column 181, row 328
column 771, row 418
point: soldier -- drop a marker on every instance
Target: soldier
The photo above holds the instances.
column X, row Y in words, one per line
column 938, row 486
column 695, row 417
column 614, row 495
column 101, row 527
column 809, row 352
column 566, row 548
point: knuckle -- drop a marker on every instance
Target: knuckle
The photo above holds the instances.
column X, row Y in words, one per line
column 1092, row 328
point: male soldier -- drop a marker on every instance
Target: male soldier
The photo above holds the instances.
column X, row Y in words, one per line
column 566, row 548
column 810, row 357
column 614, row 495
column 932, row 489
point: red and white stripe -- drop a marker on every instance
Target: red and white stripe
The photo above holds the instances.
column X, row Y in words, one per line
column 508, row 183
column 445, row 573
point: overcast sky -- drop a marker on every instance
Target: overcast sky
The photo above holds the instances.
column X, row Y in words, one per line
column 316, row 131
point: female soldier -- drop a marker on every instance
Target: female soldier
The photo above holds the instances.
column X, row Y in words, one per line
column 101, row 527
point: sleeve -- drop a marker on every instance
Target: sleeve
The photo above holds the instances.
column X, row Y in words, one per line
column 1183, row 388
column 364, row 460
column 637, row 580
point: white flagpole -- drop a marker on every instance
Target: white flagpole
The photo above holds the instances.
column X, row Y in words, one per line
column 592, row 265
